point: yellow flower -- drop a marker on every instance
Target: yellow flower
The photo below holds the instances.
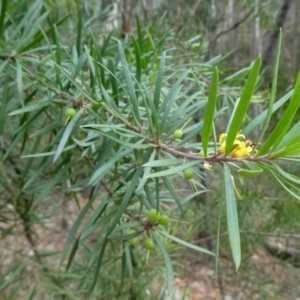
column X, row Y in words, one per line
column 241, row 148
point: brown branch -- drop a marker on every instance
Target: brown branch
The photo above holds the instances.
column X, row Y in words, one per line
column 213, row 158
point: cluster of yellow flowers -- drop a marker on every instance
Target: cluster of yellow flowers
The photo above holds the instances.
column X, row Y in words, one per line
column 241, row 146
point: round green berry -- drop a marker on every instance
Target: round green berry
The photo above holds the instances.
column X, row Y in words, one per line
column 164, row 220
column 188, row 174
column 148, row 243
column 133, row 241
column 153, row 215
column 177, row 134
column 70, row 113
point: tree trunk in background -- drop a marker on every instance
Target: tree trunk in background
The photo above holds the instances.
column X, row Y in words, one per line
column 296, row 42
column 255, row 110
column 126, row 12
column 257, row 38
column 269, row 52
column 231, row 20
column 112, row 15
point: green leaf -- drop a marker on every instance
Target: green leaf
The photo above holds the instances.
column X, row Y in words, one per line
column 210, row 111
column 76, row 225
column 292, row 137
column 40, row 36
column 168, row 263
column 289, row 177
column 4, row 103
column 273, row 89
column 173, row 170
column 31, row 292
column 147, row 171
column 282, row 126
column 129, row 88
column 169, row 100
column 128, row 259
column 159, row 81
column 66, row 135
column 92, row 223
column 99, row 173
column 283, row 181
column 2, row 16
column 261, row 117
column 53, row 182
column 252, row 171
column 113, row 81
column 241, row 109
column 172, row 192
column 79, row 28
column 232, row 217
column 164, row 162
column 185, row 244
column 286, row 151
column 249, row 173
column 137, row 59
column 99, row 263
column 127, row 197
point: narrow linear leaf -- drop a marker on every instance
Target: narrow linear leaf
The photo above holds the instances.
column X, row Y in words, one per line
column 147, row 171
column 282, row 126
column 79, row 28
column 210, row 110
column 76, row 225
column 99, row 173
column 173, row 170
column 130, row 88
column 128, row 259
column 232, row 218
column 159, row 80
column 40, row 36
column 52, row 183
column 241, row 109
column 291, row 137
column 131, row 188
column 164, row 162
column 2, row 16
column 261, row 117
column 31, row 292
column 98, row 265
column 185, row 244
column 168, row 102
column 66, row 135
column 249, row 173
column 286, row 151
column 218, row 244
column 168, row 263
column 273, row 89
column 172, row 192
column 137, row 59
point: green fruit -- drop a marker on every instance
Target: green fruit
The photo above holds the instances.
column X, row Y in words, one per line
column 70, row 113
column 164, row 220
column 188, row 174
column 177, row 134
column 148, row 243
column 153, row 215
column 133, row 241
